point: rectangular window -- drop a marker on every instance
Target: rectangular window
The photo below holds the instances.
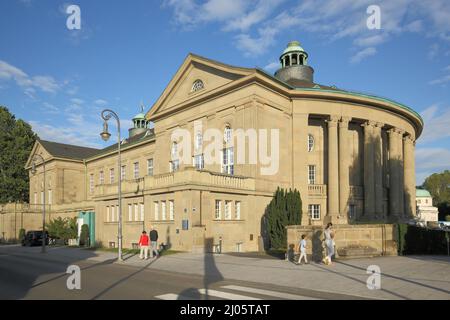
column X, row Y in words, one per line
column 111, row 175
column 91, row 183
column 118, row 212
column 35, row 198
column 150, row 167
column 102, row 177
column 50, row 196
column 136, row 170
column 352, row 211
column 174, row 165
column 199, row 162
column 42, row 197
column 218, row 213
column 107, row 214
column 142, row 211
column 123, row 171
column 311, row 174
column 113, row 211
column 163, row 210
column 171, row 210
column 237, row 210
column 314, row 211
column 136, row 212
column 156, row 209
column 228, row 161
column 228, row 209
column 130, row 212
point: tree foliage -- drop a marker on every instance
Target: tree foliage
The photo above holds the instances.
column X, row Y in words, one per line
column 16, row 141
column 285, row 209
column 84, row 236
column 439, row 186
column 62, row 228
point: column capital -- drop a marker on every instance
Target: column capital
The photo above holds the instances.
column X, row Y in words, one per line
column 408, row 139
column 379, row 124
column 369, row 123
column 344, row 121
column 333, row 121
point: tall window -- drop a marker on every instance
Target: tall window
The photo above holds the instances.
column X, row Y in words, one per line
column 150, row 167
column 311, row 174
column 314, row 211
column 111, row 175
column 91, row 183
column 107, row 214
column 227, row 134
column 228, row 209
column 113, row 217
column 142, row 211
column 237, row 210
column 35, row 198
column 50, row 197
column 352, row 211
column 171, row 210
column 218, row 213
column 130, row 212
column 310, row 142
column 42, row 197
column 136, row 212
column 228, row 160
column 136, row 170
column 102, row 177
column 163, row 210
column 175, row 163
column 123, row 171
column 199, row 162
column 156, row 210
column 198, row 141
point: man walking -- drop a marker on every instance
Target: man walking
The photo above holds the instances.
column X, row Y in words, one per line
column 154, row 242
column 143, row 243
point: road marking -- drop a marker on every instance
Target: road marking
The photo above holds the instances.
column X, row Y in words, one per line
column 277, row 294
column 173, row 296
column 225, row 295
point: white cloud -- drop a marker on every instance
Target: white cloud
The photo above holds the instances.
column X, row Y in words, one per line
column 77, row 101
column 272, row 67
column 443, row 79
column 101, row 102
column 429, row 161
column 437, row 124
column 359, row 56
column 49, row 108
column 29, row 84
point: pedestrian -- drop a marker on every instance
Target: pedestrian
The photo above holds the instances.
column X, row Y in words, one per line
column 143, row 244
column 302, row 246
column 329, row 243
column 154, row 242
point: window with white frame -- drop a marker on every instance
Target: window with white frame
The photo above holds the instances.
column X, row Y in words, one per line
column 142, row 211
column 111, row 175
column 123, row 172
column 228, row 161
column 107, row 214
column 227, row 134
column 228, row 209
column 91, row 183
column 198, row 141
column 136, row 212
column 314, row 211
column 150, row 167
column 311, row 174
column 174, row 165
column 218, row 210
column 310, row 142
column 113, row 216
column 136, row 170
column 130, row 212
column 171, row 210
column 50, row 196
column 237, row 210
column 102, row 177
column 163, row 210
column 199, row 162
column 156, row 210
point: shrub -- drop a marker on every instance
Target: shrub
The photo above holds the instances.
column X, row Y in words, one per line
column 416, row 240
column 21, row 234
column 84, row 236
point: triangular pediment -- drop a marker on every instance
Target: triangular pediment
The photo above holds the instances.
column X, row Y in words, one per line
column 38, row 149
column 211, row 73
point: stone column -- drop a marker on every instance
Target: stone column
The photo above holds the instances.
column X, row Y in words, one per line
column 409, row 177
column 378, row 165
column 393, row 174
column 401, row 188
column 344, row 163
column 369, row 178
column 333, row 175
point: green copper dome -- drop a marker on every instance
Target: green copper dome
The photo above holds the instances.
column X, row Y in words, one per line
column 139, row 116
column 293, row 46
column 422, row 193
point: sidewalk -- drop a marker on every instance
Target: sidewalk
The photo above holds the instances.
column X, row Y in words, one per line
column 412, row 277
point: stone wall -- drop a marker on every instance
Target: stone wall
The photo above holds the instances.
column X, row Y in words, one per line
column 351, row 240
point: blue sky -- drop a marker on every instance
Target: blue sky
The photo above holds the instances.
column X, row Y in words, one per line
column 126, row 52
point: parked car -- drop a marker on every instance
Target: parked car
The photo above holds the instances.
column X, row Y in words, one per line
column 34, row 238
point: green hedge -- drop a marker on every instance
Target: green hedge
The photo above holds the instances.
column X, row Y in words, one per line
column 415, row 240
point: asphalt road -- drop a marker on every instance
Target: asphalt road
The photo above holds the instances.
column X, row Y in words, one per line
column 27, row 274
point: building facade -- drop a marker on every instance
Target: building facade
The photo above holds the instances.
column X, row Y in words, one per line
column 425, row 210
column 350, row 155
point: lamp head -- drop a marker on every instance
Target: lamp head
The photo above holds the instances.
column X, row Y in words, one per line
column 105, row 134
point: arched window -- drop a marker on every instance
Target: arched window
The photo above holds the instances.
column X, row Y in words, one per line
column 310, row 142
column 197, row 85
column 198, row 141
column 174, row 150
column 227, row 133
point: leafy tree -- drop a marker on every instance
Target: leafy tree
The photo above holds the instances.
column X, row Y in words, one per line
column 285, row 209
column 63, row 229
column 16, row 141
column 84, row 236
column 439, row 186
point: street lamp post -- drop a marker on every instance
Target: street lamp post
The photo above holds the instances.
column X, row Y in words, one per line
column 106, row 115
column 33, row 171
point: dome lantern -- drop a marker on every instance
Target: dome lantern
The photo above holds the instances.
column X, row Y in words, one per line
column 140, row 124
column 294, row 65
